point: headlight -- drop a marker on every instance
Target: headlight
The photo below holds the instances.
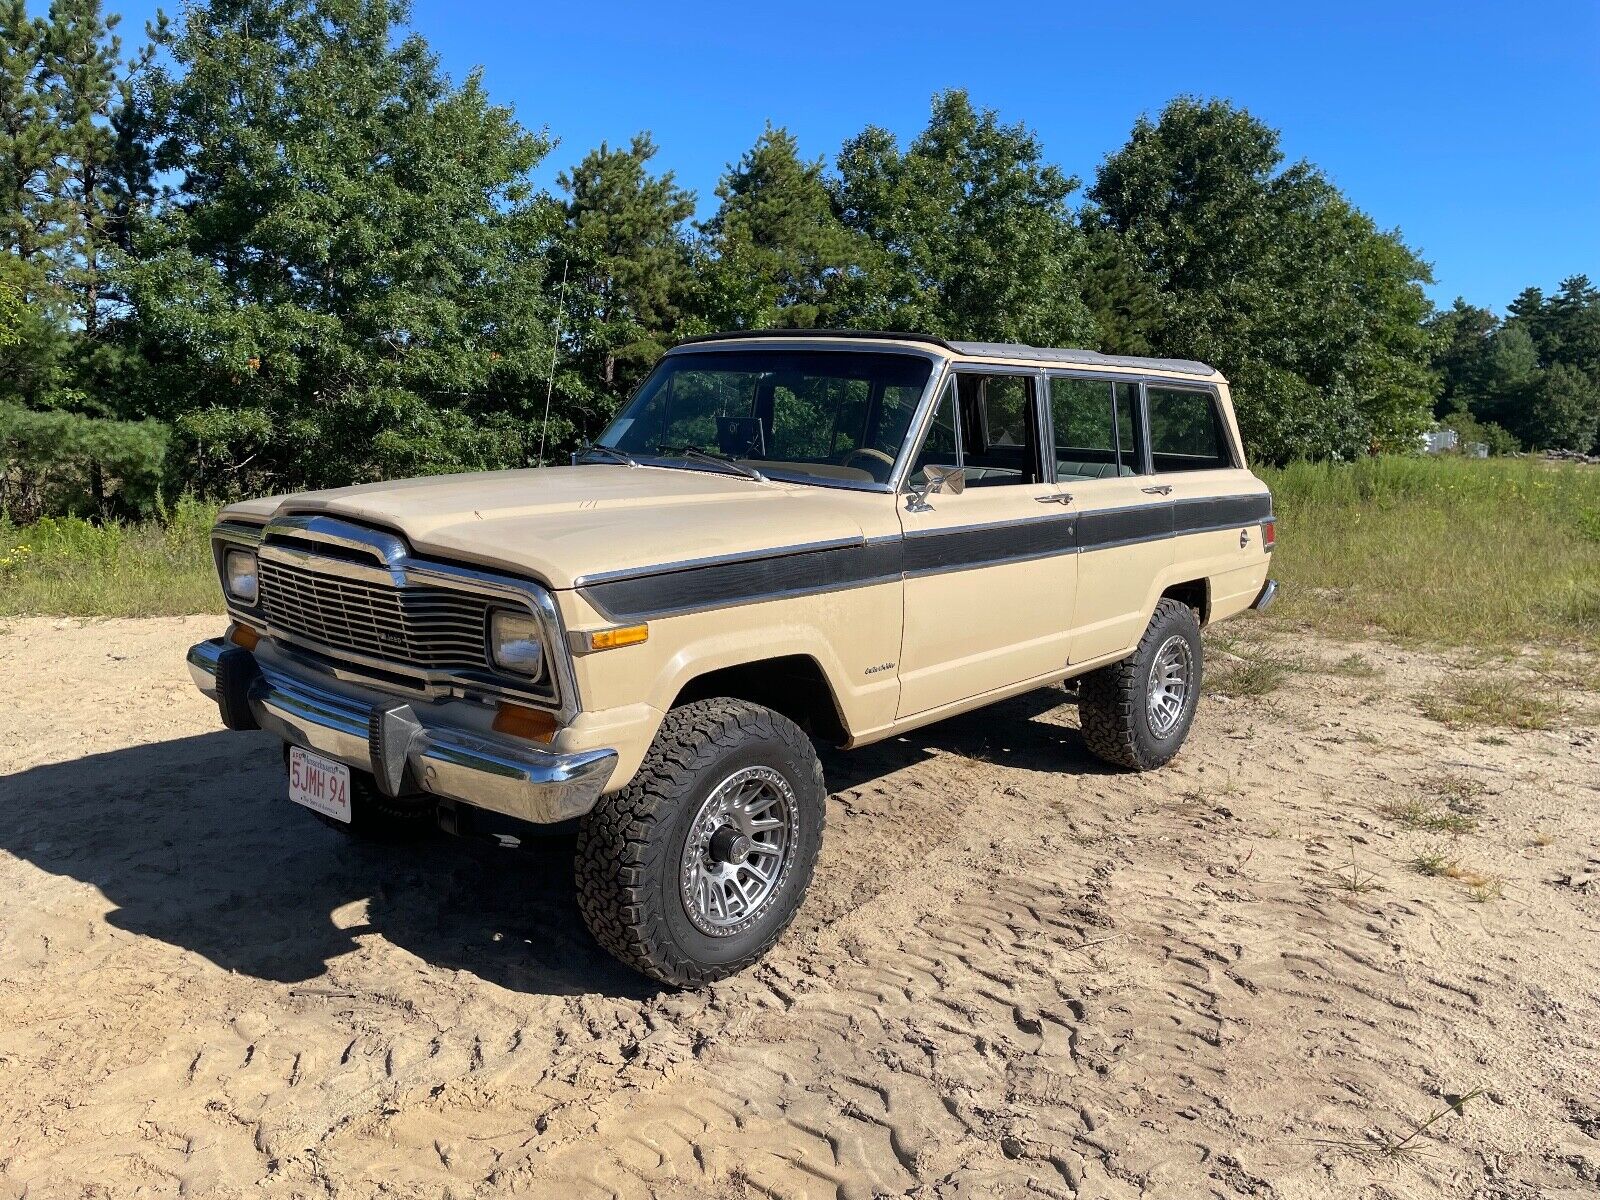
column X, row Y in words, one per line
column 242, row 581
column 514, row 643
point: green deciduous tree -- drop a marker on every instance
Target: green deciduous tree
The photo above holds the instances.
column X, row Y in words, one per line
column 353, row 252
column 969, row 229
column 1267, row 271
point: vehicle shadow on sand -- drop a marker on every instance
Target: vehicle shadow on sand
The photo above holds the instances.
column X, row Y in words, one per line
column 196, row 844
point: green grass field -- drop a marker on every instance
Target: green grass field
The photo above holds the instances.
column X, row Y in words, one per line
column 1495, row 553
column 68, row 567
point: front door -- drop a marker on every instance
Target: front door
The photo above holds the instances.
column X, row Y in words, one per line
column 990, row 572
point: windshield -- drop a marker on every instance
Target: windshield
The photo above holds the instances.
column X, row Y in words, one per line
column 814, row 415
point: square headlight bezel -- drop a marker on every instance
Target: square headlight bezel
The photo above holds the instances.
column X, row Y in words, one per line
column 531, row 661
column 249, row 595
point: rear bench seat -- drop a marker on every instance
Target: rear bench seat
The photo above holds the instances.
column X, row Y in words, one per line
column 1089, row 470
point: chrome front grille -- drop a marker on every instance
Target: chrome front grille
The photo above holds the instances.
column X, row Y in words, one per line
column 420, row 628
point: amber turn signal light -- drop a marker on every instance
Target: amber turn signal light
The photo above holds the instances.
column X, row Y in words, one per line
column 534, row 724
column 243, row 636
column 609, row 639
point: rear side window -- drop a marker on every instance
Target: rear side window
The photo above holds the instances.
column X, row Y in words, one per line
column 1186, row 431
column 1093, row 420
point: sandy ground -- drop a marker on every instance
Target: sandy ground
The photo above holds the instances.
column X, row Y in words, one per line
column 1017, row 973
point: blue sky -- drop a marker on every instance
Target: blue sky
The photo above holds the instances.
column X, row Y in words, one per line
column 1473, row 127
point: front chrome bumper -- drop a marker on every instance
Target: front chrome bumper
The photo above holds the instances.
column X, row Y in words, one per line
column 400, row 748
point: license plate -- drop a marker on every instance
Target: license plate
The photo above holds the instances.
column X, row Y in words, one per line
column 320, row 784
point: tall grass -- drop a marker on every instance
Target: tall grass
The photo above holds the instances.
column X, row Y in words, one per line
column 1496, row 552
column 65, row 566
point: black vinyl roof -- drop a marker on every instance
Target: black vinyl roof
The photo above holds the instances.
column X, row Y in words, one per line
column 1011, row 350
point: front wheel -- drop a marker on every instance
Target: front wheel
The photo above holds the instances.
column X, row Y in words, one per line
column 1137, row 713
column 691, row 872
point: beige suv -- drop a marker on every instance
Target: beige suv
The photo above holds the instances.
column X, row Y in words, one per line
column 783, row 537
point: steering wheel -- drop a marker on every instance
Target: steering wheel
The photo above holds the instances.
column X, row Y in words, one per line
column 868, row 452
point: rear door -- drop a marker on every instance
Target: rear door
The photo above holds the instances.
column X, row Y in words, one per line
column 1124, row 516
column 989, row 573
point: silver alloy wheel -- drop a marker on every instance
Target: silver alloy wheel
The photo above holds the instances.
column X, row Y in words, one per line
column 738, row 851
column 1171, row 672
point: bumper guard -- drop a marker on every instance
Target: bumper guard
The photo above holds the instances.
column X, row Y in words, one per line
column 392, row 742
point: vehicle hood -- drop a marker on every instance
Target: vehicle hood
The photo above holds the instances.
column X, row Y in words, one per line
column 560, row 524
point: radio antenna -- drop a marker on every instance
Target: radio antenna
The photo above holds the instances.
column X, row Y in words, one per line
column 555, row 346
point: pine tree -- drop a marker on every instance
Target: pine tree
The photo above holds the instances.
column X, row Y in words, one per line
column 1462, row 338
column 971, row 235
column 626, row 260
column 32, row 362
column 1122, row 299
column 84, row 61
column 28, row 139
column 775, row 245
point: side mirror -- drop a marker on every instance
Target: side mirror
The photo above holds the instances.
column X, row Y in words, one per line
column 936, row 479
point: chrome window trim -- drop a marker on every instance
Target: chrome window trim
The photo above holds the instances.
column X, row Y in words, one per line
column 917, row 432
column 400, row 569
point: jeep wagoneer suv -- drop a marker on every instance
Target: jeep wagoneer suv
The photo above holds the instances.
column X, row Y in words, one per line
column 782, row 537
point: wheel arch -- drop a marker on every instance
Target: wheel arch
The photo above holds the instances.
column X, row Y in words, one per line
column 795, row 685
column 1196, row 593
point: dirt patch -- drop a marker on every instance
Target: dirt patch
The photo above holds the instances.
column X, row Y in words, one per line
column 1018, row 973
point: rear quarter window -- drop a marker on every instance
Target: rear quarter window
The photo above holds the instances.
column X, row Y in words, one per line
column 1186, row 430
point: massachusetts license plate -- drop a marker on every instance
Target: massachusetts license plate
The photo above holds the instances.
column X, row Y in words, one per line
column 320, row 784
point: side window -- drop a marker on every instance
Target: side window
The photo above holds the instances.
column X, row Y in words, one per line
column 1127, row 396
column 1186, row 432
column 939, row 447
column 999, row 429
column 1094, row 427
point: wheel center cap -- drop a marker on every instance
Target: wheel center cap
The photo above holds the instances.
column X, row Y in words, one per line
column 729, row 845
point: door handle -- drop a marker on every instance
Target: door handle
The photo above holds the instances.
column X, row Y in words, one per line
column 1160, row 489
column 1058, row 498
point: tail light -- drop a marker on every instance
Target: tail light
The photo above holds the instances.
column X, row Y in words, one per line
column 1269, row 533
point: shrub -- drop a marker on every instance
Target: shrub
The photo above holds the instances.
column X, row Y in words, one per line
column 58, row 462
column 1499, row 439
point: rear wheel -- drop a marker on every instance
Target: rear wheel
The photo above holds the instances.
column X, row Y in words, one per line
column 692, row 871
column 1137, row 713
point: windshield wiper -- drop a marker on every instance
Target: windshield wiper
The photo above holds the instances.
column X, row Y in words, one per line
column 620, row 456
column 721, row 460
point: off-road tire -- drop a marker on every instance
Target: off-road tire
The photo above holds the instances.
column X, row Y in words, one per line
column 630, row 845
column 1112, row 702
